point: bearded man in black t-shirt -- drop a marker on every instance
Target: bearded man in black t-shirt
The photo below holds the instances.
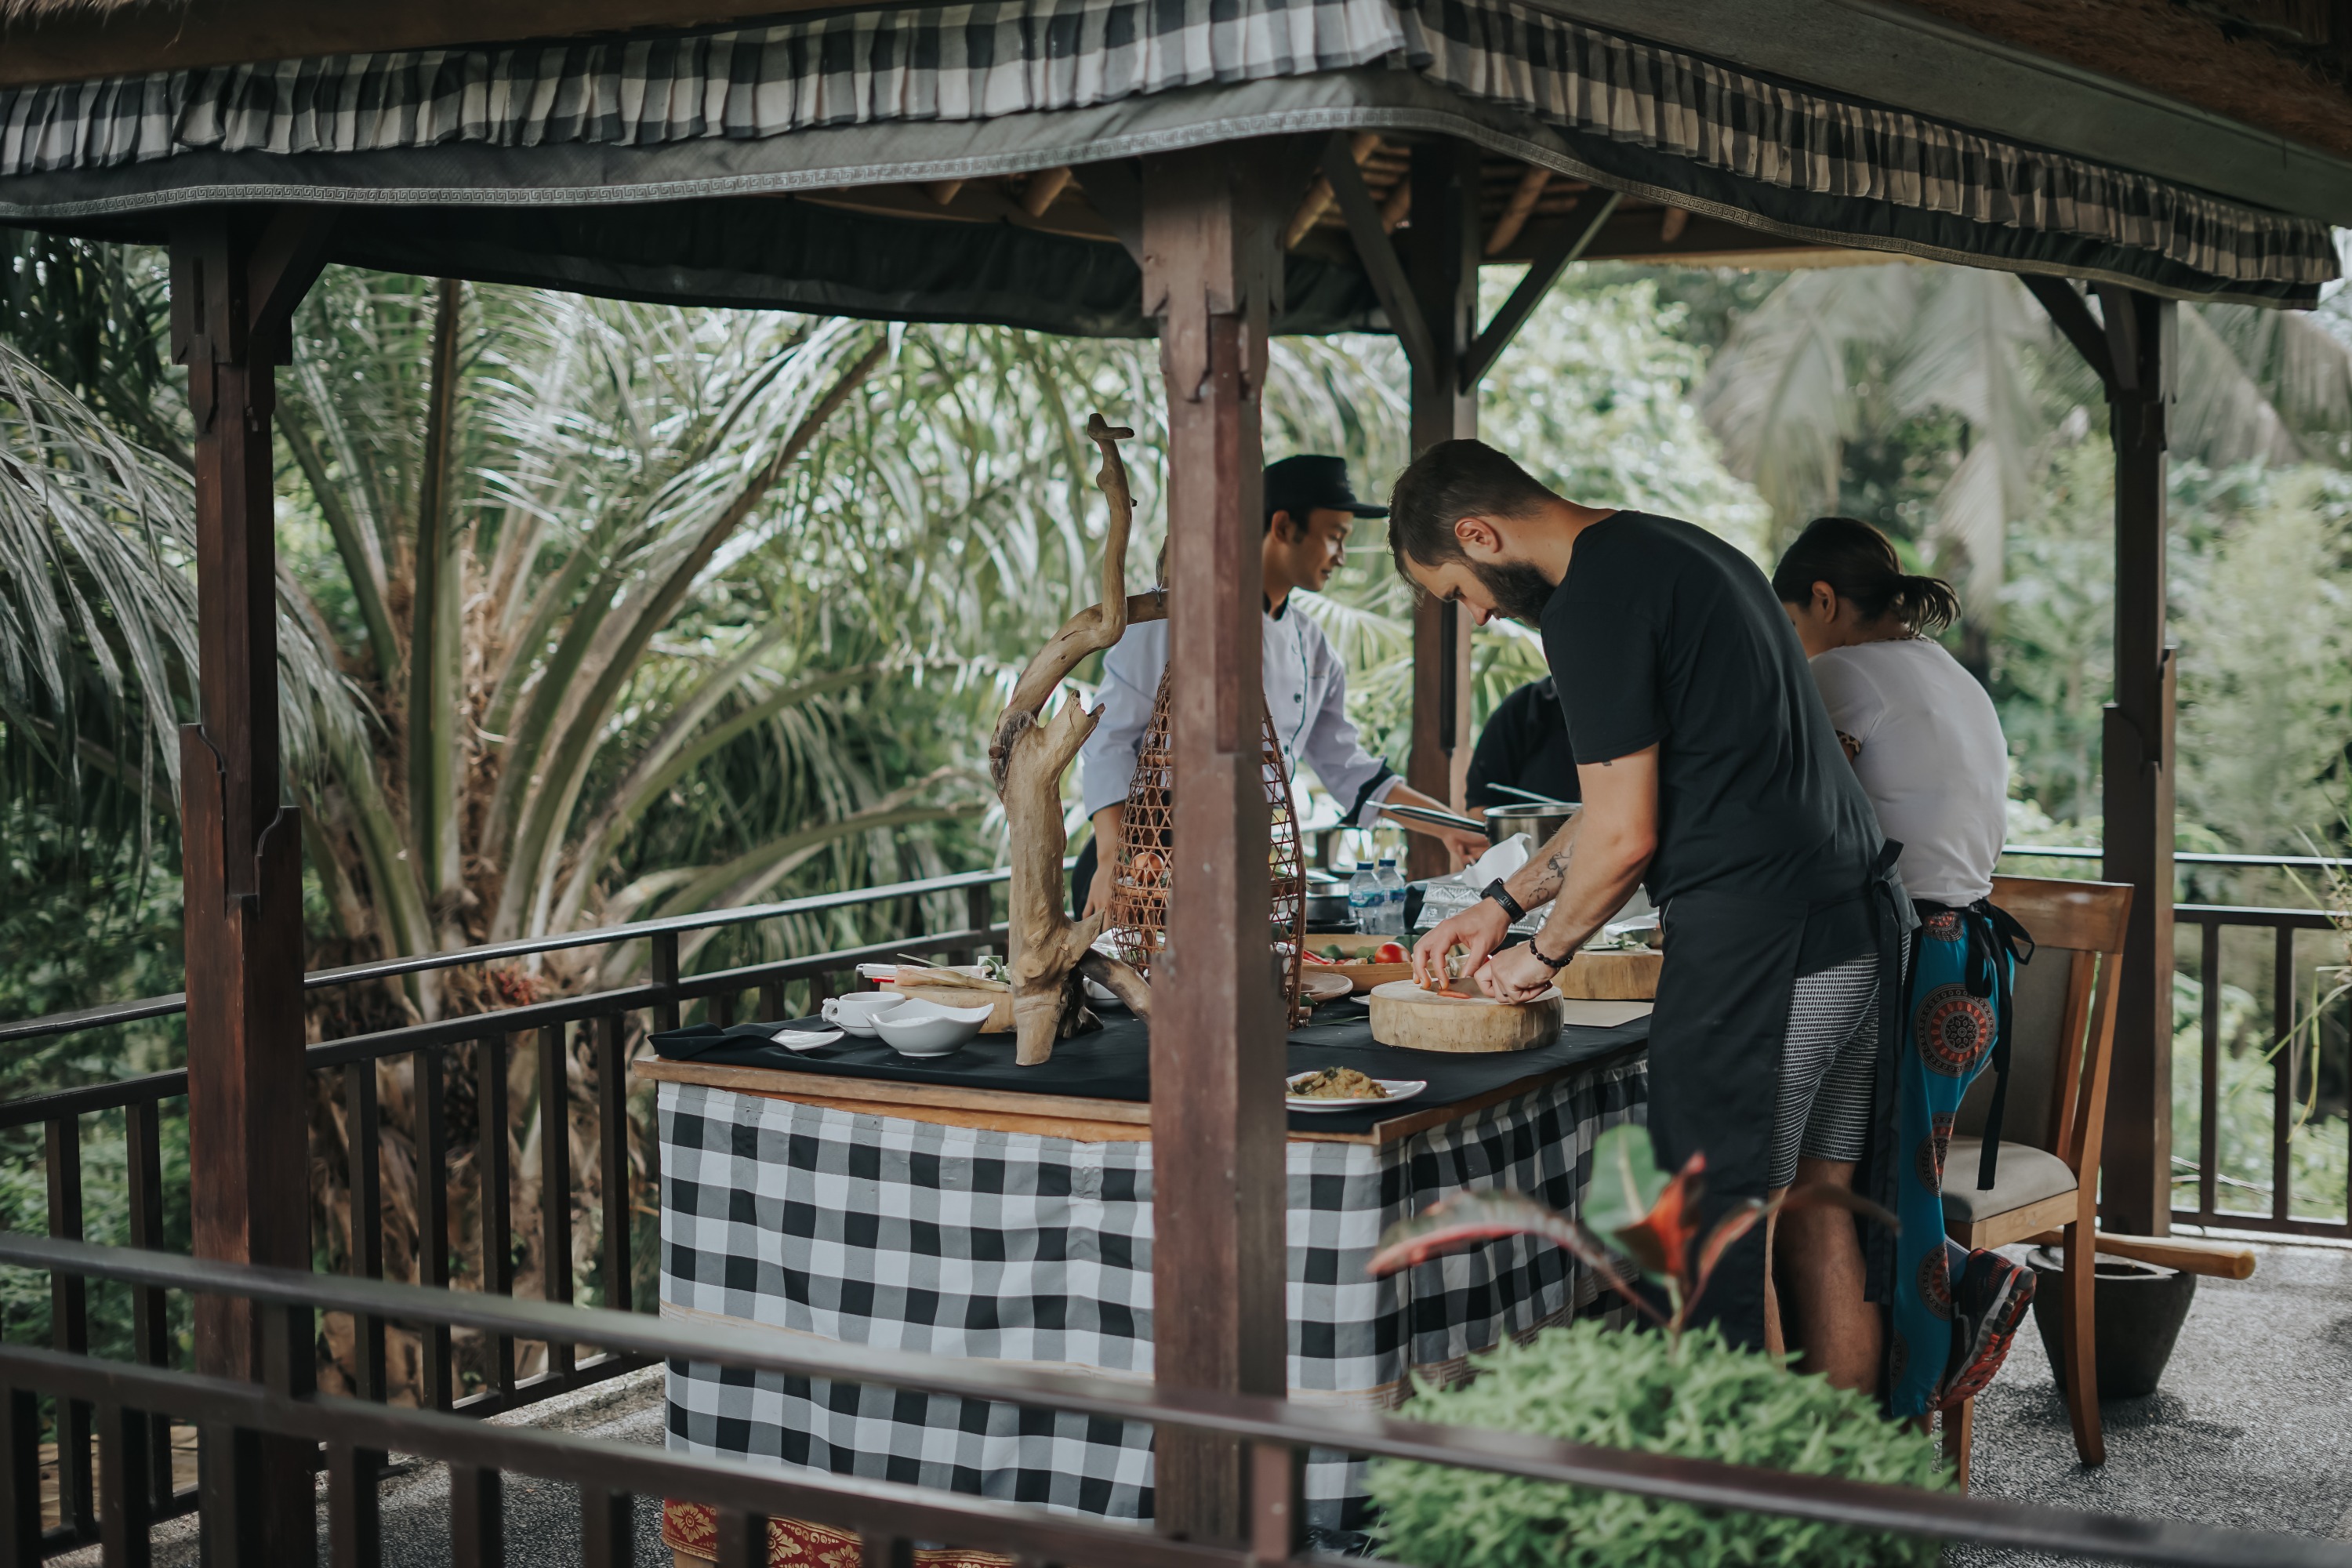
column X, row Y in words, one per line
column 1711, row 774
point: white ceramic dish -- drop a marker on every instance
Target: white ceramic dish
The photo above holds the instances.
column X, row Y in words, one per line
column 919, row 1028
column 1321, row 988
column 1398, row 1088
column 806, row 1039
column 856, row 1013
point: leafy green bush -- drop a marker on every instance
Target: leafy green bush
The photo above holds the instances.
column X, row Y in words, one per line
column 1698, row 1399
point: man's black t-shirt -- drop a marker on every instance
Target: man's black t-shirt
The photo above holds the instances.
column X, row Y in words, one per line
column 1677, row 641
column 1525, row 745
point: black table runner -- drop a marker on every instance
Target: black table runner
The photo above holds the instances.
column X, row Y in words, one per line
column 1114, row 1062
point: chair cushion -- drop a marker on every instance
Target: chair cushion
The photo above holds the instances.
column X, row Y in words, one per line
column 2024, row 1175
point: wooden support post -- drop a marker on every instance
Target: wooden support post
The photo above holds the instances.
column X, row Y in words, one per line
column 2137, row 756
column 1218, row 1194
column 235, row 278
column 1441, row 254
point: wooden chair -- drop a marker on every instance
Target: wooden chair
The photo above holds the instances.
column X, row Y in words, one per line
column 2062, row 1024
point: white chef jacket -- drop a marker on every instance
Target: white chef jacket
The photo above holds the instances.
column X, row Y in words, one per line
column 1305, row 692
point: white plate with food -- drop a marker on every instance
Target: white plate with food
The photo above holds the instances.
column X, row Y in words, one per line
column 1345, row 1088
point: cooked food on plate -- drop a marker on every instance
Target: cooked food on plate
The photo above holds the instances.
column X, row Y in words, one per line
column 1336, row 1083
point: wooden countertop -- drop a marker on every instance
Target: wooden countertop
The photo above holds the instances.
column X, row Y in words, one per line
column 1047, row 1115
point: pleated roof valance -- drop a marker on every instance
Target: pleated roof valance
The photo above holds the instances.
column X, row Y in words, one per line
column 871, row 98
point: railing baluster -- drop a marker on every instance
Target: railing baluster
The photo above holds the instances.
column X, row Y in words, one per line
column 665, row 975
column 555, row 1181
column 354, row 1513
column 608, row 1529
column 1276, row 1504
column 227, row 1465
column 433, row 1219
column 612, row 1147
column 477, row 1535
column 2209, row 1085
column 363, row 1129
column 2282, row 1073
column 979, row 907
column 493, row 1159
column 821, row 989
column 69, row 1324
column 150, row 1323
column 123, row 1471
column 741, row 1539
column 719, row 1008
column 20, row 1476
column 771, row 1001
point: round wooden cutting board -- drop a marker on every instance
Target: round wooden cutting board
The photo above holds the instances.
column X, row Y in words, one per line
column 1626, row 975
column 1404, row 1015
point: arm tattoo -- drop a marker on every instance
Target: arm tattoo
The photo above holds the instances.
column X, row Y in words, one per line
column 1549, row 879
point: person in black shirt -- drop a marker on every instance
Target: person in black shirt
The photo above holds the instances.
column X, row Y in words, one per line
column 1525, row 745
column 1711, row 774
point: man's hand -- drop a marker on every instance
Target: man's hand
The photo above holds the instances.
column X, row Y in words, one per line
column 1516, row 974
column 1099, row 891
column 1461, row 843
column 1480, row 929
column 1107, row 822
column 1465, row 846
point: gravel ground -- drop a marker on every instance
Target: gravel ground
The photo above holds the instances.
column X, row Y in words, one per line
column 2252, row 1429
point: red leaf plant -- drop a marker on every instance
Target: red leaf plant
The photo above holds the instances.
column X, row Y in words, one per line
column 1640, row 1221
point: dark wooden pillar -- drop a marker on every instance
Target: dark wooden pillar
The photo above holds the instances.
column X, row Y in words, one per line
column 2136, row 768
column 1440, row 251
column 2131, row 343
column 236, row 278
column 1219, row 1317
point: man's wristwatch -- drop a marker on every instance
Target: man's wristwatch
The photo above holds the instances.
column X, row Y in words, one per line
column 1501, row 895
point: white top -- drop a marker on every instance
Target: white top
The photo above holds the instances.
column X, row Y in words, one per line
column 1933, row 759
column 1306, row 691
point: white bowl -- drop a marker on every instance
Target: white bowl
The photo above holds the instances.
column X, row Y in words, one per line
column 856, row 1013
column 920, row 1029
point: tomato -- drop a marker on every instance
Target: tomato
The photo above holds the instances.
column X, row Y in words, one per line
column 1391, row 953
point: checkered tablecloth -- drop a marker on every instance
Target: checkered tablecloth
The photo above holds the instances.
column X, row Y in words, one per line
column 879, row 1231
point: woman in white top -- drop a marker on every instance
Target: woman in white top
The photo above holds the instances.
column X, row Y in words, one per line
column 1927, row 748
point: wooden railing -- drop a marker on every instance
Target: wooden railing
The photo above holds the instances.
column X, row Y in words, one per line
column 350, row 1437
column 482, row 1042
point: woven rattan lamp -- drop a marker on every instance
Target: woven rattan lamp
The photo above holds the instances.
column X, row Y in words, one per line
column 1137, row 922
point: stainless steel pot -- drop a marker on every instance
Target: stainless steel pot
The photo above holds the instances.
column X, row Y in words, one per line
column 1541, row 821
column 1327, row 903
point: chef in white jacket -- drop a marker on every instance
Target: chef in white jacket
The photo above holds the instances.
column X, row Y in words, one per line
column 1309, row 509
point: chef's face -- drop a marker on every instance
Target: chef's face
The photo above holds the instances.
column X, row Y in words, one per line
column 1315, row 549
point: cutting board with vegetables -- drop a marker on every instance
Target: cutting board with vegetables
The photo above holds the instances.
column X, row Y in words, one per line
column 1459, row 1019
column 1363, row 960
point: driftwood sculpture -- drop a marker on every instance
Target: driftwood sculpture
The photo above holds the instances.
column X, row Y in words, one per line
column 1027, row 757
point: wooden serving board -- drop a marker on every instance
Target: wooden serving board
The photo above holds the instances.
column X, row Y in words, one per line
column 1403, row 1014
column 1629, row 975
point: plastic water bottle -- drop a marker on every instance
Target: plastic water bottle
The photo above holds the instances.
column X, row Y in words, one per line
column 1392, row 880
column 1368, row 901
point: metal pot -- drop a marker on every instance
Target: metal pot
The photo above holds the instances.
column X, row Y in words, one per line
column 1326, row 904
column 1542, row 821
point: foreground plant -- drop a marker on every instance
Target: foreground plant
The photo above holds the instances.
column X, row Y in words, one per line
column 1686, row 1394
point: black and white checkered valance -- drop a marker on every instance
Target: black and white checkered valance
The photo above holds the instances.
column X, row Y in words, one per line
column 1594, row 104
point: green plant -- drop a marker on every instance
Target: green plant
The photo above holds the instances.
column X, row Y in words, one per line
column 1693, row 1397
column 1689, row 1395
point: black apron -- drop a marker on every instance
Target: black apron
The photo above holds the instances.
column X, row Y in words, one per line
column 1719, row 1035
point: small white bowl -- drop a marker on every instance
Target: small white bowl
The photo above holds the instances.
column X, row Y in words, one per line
column 856, row 1013
column 919, row 1028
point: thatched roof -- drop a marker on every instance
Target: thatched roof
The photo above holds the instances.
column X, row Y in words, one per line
column 2234, row 59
